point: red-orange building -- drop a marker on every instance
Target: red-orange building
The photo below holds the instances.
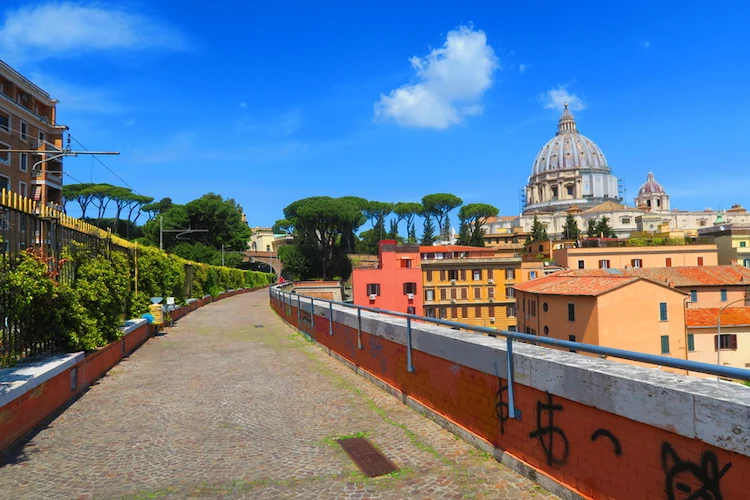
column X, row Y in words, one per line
column 396, row 284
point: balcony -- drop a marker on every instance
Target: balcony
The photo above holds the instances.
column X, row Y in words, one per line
column 41, row 118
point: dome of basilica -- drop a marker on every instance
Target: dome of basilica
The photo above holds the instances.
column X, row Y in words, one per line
column 651, row 186
column 569, row 150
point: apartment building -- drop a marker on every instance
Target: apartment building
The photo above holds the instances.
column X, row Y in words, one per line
column 395, row 285
column 636, row 256
column 732, row 241
column 470, row 285
column 28, row 122
column 608, row 308
column 704, row 343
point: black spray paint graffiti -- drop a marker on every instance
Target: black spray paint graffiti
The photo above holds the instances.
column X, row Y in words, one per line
column 375, row 347
column 304, row 317
column 607, row 434
column 549, row 432
column 501, row 407
column 686, row 480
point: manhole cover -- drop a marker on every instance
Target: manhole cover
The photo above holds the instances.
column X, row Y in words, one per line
column 258, row 326
column 369, row 460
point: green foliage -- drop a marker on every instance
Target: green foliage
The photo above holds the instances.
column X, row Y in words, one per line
column 428, row 231
column 603, row 229
column 439, row 205
column 570, row 229
column 591, row 230
column 472, row 217
column 538, row 231
column 408, row 211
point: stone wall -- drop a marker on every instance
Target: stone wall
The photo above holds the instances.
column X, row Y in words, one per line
column 588, row 427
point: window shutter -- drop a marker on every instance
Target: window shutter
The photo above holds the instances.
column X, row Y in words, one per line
column 716, row 342
column 442, row 275
column 490, row 274
column 429, row 275
column 453, row 293
column 463, row 274
column 406, row 288
column 733, row 341
column 464, row 293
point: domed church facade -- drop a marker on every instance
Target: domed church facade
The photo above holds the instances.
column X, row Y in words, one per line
column 569, row 170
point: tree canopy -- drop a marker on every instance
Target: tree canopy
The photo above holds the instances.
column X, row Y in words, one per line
column 570, row 229
column 439, row 205
column 472, row 217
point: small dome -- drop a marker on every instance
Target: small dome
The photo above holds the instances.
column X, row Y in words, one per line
column 651, row 186
column 569, row 150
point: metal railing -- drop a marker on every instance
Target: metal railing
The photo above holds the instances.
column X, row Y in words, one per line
column 682, row 364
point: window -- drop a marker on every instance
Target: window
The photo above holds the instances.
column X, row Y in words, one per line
column 728, row 341
column 5, row 122
column 464, row 293
column 691, row 342
column 442, row 312
column 510, row 311
column 373, row 289
column 746, row 262
column 743, row 244
column 463, row 274
column 453, row 293
column 510, row 274
column 24, row 165
column 42, row 136
column 443, row 294
column 491, row 292
column 491, row 272
column 572, row 338
column 491, row 311
column 476, row 275
column 452, row 274
column 532, row 308
column 268, row 248
column 541, row 248
column 4, row 184
column 625, row 220
column 532, row 275
column 723, row 294
column 429, row 294
column 464, row 312
column 454, row 312
column 665, row 344
column 429, row 312
column 429, row 275
column 571, row 312
column 4, row 157
column 442, row 275
column 24, row 131
column 411, row 310
column 410, row 288
column 669, row 262
column 693, row 295
column 477, row 311
column 580, row 264
column 22, row 189
column 700, row 261
column 546, row 330
column 545, row 307
column 636, row 263
column 604, row 264
column 477, row 292
column 406, row 263
column 509, row 292
column 512, row 328
column 663, row 311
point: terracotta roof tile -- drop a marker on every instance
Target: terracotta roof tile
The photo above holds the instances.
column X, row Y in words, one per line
column 560, row 284
column 708, row 317
column 683, row 275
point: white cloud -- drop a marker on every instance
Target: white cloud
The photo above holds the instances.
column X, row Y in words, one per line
column 60, row 29
column 242, row 104
column 78, row 98
column 555, row 98
column 522, row 68
column 645, row 44
column 451, row 81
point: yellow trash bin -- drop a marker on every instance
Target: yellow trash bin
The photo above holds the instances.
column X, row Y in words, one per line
column 157, row 312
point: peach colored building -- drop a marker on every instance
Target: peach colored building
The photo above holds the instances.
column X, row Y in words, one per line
column 608, row 309
column 641, row 256
column 396, row 284
column 702, row 336
column 28, row 122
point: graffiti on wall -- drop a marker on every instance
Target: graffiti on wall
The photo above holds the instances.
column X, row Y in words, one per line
column 376, row 346
column 502, row 410
column 691, row 481
column 607, row 434
column 549, row 434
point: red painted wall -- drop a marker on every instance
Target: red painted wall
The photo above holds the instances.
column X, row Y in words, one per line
column 598, row 454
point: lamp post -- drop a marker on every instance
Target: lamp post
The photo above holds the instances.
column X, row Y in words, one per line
column 718, row 332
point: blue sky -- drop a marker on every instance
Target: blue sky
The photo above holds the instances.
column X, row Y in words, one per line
column 269, row 102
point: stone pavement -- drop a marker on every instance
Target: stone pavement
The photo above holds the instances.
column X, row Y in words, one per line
column 232, row 403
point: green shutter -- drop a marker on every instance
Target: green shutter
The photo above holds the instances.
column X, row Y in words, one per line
column 691, row 342
column 665, row 344
column 663, row 311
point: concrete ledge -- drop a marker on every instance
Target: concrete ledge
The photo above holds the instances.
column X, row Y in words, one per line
column 131, row 325
column 18, row 380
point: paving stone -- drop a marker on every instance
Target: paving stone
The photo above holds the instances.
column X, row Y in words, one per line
column 221, row 407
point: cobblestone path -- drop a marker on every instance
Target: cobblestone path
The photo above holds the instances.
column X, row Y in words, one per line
column 232, row 403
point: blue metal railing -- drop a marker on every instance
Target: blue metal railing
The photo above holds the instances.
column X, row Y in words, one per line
column 652, row 359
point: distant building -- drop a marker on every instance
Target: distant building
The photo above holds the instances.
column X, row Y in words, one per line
column 610, row 309
column 636, row 256
column 396, row 284
column 263, row 239
column 732, row 241
column 703, row 340
column 28, row 121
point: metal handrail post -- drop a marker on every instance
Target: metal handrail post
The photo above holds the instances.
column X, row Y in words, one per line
column 512, row 412
column 312, row 313
column 359, row 328
column 409, row 365
column 330, row 318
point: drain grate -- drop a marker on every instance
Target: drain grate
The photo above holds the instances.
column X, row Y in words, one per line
column 369, row 460
column 258, row 326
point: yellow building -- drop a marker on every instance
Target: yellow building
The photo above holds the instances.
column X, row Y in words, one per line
column 732, row 241
column 470, row 285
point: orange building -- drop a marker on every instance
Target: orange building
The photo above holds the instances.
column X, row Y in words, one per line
column 703, row 341
column 636, row 256
column 607, row 308
column 472, row 285
column 28, row 122
column 396, row 284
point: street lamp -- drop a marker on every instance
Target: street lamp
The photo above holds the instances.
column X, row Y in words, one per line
column 718, row 332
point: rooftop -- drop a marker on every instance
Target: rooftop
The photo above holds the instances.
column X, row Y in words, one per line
column 679, row 276
column 707, row 317
column 563, row 284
